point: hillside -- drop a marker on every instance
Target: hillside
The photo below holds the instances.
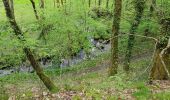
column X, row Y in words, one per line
column 84, row 50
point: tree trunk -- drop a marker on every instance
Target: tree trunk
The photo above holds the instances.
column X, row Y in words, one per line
column 12, row 6
column 95, row 2
column 39, row 71
column 158, row 72
column 54, row 1
column 34, row 8
column 99, row 3
column 153, row 4
column 62, row 3
column 161, row 62
column 114, row 39
column 70, row 50
column 139, row 7
column 107, row 4
column 89, row 3
column 41, row 3
column 58, row 3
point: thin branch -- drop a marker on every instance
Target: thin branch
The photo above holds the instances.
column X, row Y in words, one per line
column 162, row 60
column 142, row 36
column 149, row 64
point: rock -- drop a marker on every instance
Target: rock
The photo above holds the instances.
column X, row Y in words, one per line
column 45, row 93
column 1, row 71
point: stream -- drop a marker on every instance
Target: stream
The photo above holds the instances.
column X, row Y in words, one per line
column 97, row 49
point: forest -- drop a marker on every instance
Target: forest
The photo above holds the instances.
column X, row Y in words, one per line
column 84, row 49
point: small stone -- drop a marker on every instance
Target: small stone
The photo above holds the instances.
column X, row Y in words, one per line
column 37, row 96
column 45, row 93
column 54, row 95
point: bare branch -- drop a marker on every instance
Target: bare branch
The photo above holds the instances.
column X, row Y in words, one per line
column 162, row 60
column 142, row 36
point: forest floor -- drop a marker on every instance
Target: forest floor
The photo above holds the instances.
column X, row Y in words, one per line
column 90, row 83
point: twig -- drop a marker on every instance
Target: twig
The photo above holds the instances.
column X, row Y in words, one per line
column 142, row 36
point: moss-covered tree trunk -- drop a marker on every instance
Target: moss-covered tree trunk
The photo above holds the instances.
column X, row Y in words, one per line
column 58, row 3
column 39, row 71
column 99, row 3
column 107, row 4
column 34, row 8
column 139, row 7
column 158, row 71
column 48, row 83
column 153, row 4
column 161, row 62
column 42, row 3
column 12, row 6
column 95, row 2
column 54, row 1
column 114, row 40
column 89, row 3
column 62, row 3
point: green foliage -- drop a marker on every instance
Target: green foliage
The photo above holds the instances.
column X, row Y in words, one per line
column 162, row 96
column 68, row 30
column 3, row 94
column 95, row 93
column 142, row 92
column 70, row 19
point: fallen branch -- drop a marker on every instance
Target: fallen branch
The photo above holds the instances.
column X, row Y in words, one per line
column 162, row 60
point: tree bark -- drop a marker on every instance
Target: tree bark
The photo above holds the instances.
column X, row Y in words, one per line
column 114, row 39
column 95, row 3
column 58, row 3
column 152, row 7
column 161, row 62
column 12, row 6
column 54, row 1
column 39, row 71
column 99, row 3
column 139, row 8
column 62, row 3
column 42, row 3
column 89, row 3
column 34, row 8
column 107, row 4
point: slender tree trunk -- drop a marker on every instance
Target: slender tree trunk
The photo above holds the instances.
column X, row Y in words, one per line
column 34, row 8
column 150, row 15
column 70, row 51
column 114, row 40
column 107, row 4
column 54, row 1
column 153, row 4
column 39, row 71
column 62, row 3
column 58, row 3
column 89, row 3
column 42, row 3
column 95, row 2
column 99, row 3
column 139, row 7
